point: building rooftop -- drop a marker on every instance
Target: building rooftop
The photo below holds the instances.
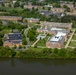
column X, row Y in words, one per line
column 1, row 1
column 46, row 13
column 55, row 38
column 14, row 36
column 55, row 24
column 48, row 6
column 55, row 28
column 10, row 16
column 32, row 18
column 61, row 34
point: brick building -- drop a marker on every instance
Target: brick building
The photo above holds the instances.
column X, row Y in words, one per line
column 30, row 6
column 13, row 18
column 12, row 39
column 59, row 10
column 70, row 5
column 52, row 27
column 32, row 19
column 56, row 41
column 55, row 24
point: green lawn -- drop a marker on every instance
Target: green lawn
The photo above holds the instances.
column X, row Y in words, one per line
column 6, row 31
column 42, row 42
column 9, row 9
column 35, row 49
column 74, row 37
column 31, row 42
column 64, row 43
column 72, row 43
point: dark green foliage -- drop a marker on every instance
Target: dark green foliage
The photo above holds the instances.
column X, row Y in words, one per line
column 13, row 53
column 6, row 52
column 1, row 42
column 49, row 53
column 68, row 19
column 74, row 24
column 32, row 34
column 16, row 4
column 66, row 8
column 45, row 53
column 13, row 25
column 3, row 5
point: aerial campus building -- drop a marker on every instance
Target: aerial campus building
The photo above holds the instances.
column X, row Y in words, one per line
column 51, row 27
column 11, row 18
column 59, row 31
column 57, row 40
column 12, row 39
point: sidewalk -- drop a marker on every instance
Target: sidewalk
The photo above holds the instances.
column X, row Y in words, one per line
column 70, row 39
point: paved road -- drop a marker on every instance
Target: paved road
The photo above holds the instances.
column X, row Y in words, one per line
column 27, row 39
column 25, row 32
column 70, row 39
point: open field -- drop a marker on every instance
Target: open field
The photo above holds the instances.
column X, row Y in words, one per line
column 35, row 49
column 72, row 43
column 74, row 37
column 42, row 42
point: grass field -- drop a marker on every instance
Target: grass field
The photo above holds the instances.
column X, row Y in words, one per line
column 42, row 42
column 7, row 31
column 74, row 37
column 11, row 8
column 35, row 49
column 72, row 43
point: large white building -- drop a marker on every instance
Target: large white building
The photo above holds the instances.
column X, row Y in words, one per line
column 57, row 40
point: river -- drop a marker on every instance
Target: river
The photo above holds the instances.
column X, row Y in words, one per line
column 37, row 67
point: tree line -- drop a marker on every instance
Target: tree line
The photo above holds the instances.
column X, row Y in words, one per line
column 45, row 53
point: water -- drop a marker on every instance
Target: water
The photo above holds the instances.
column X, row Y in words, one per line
column 37, row 67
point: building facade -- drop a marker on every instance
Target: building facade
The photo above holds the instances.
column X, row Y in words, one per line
column 12, row 39
column 56, row 41
column 12, row 18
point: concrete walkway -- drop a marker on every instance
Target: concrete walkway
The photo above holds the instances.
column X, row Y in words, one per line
column 25, row 33
column 35, row 43
column 70, row 39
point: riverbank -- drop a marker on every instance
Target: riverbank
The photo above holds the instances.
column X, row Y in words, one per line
column 43, row 54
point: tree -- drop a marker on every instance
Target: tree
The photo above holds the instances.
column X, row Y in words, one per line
column 22, row 5
column 49, row 8
column 31, row 34
column 1, row 42
column 20, row 46
column 66, row 8
column 3, row 5
column 14, row 47
column 43, row 8
column 16, row 4
column 25, row 20
column 13, row 53
column 24, row 41
column 0, row 22
column 9, row 5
